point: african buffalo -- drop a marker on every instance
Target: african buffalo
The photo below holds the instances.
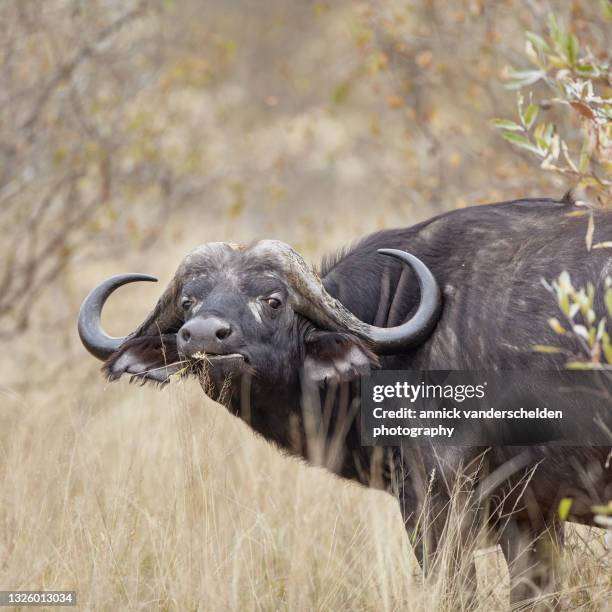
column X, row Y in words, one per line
column 273, row 340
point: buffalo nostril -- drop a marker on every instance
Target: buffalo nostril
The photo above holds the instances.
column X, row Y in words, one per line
column 185, row 335
column 223, row 332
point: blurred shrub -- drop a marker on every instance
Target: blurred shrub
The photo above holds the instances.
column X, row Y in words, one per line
column 90, row 161
column 70, row 157
column 447, row 60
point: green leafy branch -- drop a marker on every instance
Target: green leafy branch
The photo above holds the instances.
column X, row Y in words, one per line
column 581, row 323
column 578, row 80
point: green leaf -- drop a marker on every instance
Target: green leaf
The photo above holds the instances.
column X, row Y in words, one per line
column 521, row 141
column 506, row 124
column 565, row 282
column 590, row 293
column 571, row 48
column 601, row 328
column 591, row 338
column 565, row 505
column 556, row 326
column 556, row 61
column 543, row 135
column 546, row 348
column 564, row 304
column 600, row 509
column 555, row 31
column 521, row 78
column 530, row 115
column 549, row 131
column 590, row 231
column 587, row 70
column 537, row 41
column 608, row 300
column 581, row 365
column 538, row 134
column 342, row 92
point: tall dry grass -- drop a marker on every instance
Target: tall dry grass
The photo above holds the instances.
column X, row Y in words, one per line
column 141, row 499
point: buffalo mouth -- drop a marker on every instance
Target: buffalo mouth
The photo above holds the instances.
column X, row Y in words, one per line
column 224, row 361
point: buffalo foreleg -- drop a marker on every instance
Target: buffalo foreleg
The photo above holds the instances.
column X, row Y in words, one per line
column 532, row 553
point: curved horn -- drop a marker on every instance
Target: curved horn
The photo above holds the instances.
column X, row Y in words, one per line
column 312, row 300
column 93, row 337
column 420, row 325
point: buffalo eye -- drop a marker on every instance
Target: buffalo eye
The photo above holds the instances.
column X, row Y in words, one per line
column 186, row 303
column 273, row 302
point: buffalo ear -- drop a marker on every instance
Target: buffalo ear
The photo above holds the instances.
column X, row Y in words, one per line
column 336, row 357
column 149, row 358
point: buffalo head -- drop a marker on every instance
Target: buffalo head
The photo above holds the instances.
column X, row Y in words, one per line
column 260, row 310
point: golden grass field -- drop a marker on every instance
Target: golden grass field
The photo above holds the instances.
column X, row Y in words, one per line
column 147, row 499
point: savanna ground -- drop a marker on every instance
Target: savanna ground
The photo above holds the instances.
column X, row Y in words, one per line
column 135, row 131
